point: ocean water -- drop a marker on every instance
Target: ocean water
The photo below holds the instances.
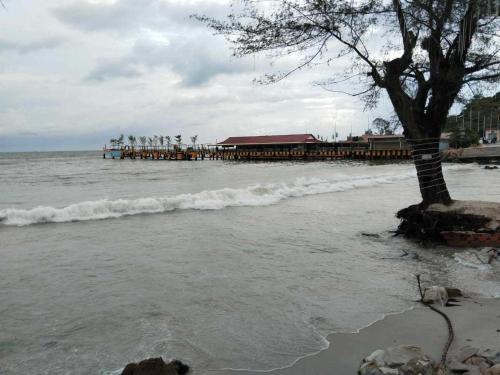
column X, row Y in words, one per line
column 220, row 264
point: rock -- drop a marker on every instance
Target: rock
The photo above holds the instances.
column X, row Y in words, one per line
column 436, row 294
column 493, row 356
column 466, row 352
column 416, row 366
column 490, row 167
column 474, row 371
column 377, row 357
column 400, row 360
column 156, row 366
column 370, row 368
column 457, row 367
column 480, row 362
column 454, row 292
column 495, row 370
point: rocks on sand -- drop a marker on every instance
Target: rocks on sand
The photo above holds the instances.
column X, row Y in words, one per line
column 397, row 360
column 436, row 294
column 472, row 361
column 156, row 366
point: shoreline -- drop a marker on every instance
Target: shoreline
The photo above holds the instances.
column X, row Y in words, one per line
column 476, row 323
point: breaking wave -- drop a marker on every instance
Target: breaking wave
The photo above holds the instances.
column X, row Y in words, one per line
column 256, row 195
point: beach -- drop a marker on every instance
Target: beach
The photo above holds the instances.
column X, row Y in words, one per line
column 476, row 323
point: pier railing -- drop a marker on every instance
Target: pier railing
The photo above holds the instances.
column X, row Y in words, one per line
column 159, row 153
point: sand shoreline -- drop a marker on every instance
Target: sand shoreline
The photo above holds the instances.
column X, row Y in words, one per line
column 476, row 323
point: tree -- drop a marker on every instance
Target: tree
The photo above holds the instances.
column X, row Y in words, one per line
column 120, row 140
column 168, row 139
column 178, row 140
column 462, row 137
column 161, row 140
column 478, row 114
column 113, row 142
column 143, row 140
column 132, row 140
column 194, row 138
column 434, row 49
column 384, row 127
column 150, row 142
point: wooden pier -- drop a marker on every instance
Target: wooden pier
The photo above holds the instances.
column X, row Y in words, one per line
column 152, row 153
column 202, row 154
column 276, row 148
column 311, row 155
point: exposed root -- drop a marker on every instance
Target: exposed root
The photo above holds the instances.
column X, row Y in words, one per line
column 425, row 226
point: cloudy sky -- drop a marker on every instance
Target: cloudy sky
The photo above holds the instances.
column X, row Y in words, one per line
column 74, row 73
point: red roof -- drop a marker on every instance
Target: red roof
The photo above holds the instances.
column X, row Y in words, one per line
column 269, row 139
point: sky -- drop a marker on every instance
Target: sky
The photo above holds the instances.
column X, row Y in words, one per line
column 75, row 73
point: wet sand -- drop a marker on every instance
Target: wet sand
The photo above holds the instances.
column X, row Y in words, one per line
column 476, row 323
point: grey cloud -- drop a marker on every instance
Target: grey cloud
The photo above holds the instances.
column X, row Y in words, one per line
column 129, row 15
column 32, row 46
column 194, row 57
column 110, row 70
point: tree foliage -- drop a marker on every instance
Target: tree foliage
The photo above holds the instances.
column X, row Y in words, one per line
column 384, row 127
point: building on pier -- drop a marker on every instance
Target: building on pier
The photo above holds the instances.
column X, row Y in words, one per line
column 307, row 146
column 271, row 143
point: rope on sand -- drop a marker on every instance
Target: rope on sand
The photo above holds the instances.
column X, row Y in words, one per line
column 451, row 334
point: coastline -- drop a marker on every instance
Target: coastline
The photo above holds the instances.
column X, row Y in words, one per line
column 476, row 323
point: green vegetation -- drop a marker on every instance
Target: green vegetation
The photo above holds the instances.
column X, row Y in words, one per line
column 154, row 141
column 477, row 116
column 479, row 113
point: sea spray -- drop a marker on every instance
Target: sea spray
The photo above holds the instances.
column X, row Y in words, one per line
column 256, row 195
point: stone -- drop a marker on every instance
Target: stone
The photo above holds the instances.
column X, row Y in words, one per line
column 156, row 366
column 492, row 355
column 436, row 294
column 377, row 357
column 494, row 370
column 457, row 367
column 399, row 360
column 417, row 366
column 370, row 368
column 400, row 355
column 466, row 352
column 480, row 362
column 454, row 292
column 474, row 371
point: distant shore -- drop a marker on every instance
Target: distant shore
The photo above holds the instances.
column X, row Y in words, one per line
column 476, row 323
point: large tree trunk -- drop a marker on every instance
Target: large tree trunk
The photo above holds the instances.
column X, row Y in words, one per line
column 427, row 159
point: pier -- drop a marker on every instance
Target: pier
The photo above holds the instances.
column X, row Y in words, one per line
column 152, row 153
column 275, row 147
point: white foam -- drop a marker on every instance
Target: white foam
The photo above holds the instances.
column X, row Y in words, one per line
column 257, row 195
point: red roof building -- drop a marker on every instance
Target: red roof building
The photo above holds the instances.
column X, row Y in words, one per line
column 269, row 140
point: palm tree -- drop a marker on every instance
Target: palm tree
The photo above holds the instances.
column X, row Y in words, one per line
column 162, row 140
column 113, row 142
column 132, row 140
column 178, row 140
column 143, row 140
column 120, row 140
column 155, row 140
column 169, row 141
column 150, row 142
column 194, row 138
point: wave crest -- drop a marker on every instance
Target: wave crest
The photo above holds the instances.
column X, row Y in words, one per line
column 257, row 195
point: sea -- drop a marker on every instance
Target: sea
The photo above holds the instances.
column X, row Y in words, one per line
column 221, row 264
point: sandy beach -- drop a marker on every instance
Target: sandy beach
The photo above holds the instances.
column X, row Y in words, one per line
column 476, row 323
